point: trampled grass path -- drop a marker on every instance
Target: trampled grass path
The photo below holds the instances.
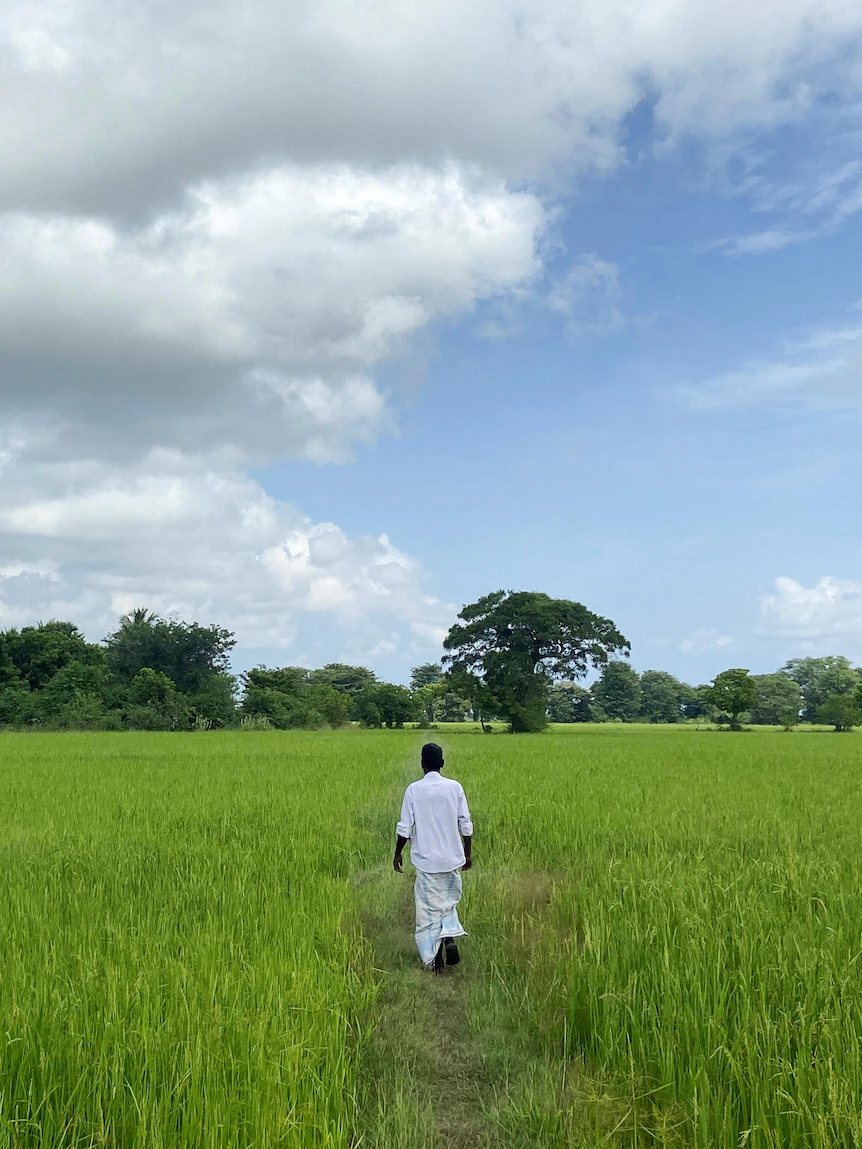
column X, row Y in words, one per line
column 428, row 1078
column 429, row 1073
column 447, row 1052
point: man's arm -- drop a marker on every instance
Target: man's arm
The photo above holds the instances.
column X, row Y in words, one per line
column 398, row 860
column 403, row 830
column 465, row 825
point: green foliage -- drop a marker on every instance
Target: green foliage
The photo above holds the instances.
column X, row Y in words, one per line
column 17, row 704
column 841, row 711
column 428, row 699
column 153, row 702
column 382, row 704
column 475, row 693
column 37, row 653
column 732, row 693
column 568, row 702
column 158, row 674
column 453, row 707
column 618, row 692
column 779, row 700
column 334, row 705
column 8, row 670
column 150, row 675
column 79, row 696
column 436, row 698
column 290, row 698
column 698, row 704
column 512, row 656
column 281, row 696
column 516, row 643
column 663, row 697
column 820, row 678
column 428, row 674
column 185, row 652
column 349, row 680
column 215, row 702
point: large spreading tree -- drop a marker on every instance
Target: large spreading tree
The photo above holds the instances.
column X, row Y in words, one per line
column 512, row 645
column 733, row 692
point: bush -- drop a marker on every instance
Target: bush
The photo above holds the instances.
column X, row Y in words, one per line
column 382, row 704
column 153, row 703
column 840, row 711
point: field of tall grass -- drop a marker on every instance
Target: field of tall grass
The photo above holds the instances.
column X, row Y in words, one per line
column 205, row 945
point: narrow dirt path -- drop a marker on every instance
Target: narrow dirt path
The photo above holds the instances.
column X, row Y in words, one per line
column 478, row 1057
column 455, row 1061
column 428, row 1079
column 430, row 1082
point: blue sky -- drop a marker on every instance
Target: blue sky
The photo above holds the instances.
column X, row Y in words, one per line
column 335, row 320
column 643, row 468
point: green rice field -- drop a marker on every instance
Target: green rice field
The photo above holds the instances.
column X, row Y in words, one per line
column 204, row 944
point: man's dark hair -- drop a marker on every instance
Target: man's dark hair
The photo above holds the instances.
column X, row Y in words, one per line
column 432, row 756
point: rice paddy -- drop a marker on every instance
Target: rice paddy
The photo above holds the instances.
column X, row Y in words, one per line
column 205, row 944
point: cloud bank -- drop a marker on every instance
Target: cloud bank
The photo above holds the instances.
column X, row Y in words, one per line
column 193, row 540
column 218, row 221
column 829, row 611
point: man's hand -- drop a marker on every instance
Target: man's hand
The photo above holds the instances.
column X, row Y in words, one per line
column 468, row 864
column 398, row 864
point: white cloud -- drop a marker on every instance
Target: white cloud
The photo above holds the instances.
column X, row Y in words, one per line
column 835, row 198
column 821, row 367
column 255, row 312
column 120, row 106
column 217, row 222
column 294, row 267
column 589, row 297
column 757, row 382
column 184, row 538
column 705, row 640
column 832, row 609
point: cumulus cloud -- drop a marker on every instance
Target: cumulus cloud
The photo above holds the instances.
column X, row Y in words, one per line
column 217, row 222
column 292, row 267
column 205, row 542
column 257, row 310
column 832, row 609
column 117, row 106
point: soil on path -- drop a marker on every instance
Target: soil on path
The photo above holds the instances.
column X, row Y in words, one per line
column 430, row 1081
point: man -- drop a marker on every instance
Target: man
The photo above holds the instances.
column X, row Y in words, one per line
column 436, row 821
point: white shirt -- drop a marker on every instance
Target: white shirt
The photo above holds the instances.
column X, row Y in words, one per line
column 434, row 815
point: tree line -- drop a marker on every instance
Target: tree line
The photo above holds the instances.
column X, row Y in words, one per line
column 819, row 690
column 512, row 657
column 154, row 673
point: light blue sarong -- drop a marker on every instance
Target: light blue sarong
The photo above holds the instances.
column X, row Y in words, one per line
column 437, row 898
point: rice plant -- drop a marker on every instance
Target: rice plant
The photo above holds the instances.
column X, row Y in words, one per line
column 205, row 944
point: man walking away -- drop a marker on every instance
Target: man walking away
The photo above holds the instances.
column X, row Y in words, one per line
column 436, row 821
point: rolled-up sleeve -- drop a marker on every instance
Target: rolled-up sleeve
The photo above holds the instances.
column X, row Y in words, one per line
column 404, row 829
column 464, row 823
